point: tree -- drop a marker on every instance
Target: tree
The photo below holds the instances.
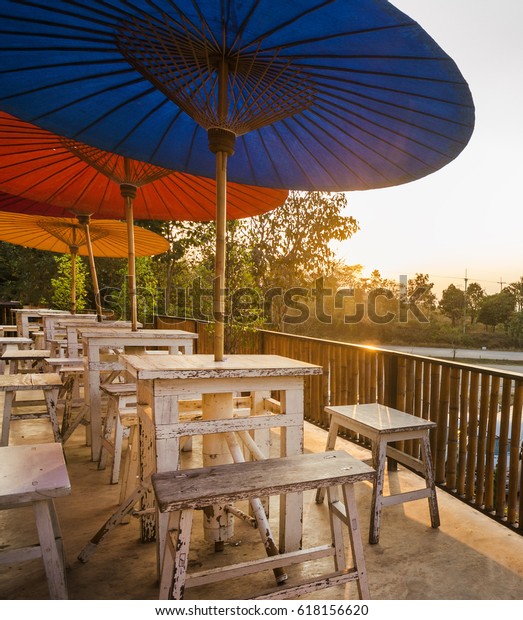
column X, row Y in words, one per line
column 475, row 297
column 25, row 274
column 63, row 282
column 497, row 309
column 516, row 288
column 452, row 303
column 420, row 288
column 292, row 243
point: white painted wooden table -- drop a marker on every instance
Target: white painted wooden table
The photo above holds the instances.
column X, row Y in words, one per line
column 72, row 331
column 53, row 326
column 34, row 474
column 163, row 381
column 48, row 383
column 94, row 341
column 32, row 317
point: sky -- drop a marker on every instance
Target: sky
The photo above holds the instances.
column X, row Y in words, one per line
column 465, row 220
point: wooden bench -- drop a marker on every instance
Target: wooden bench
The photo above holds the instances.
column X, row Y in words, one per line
column 35, row 475
column 180, row 492
column 383, row 425
column 48, row 383
column 26, row 360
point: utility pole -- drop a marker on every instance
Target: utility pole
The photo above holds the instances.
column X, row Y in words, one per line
column 501, row 283
column 465, row 304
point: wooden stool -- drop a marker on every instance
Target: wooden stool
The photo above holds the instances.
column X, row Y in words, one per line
column 49, row 383
column 383, row 425
column 178, row 493
column 35, row 474
column 121, row 416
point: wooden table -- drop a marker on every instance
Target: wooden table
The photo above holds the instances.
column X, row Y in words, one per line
column 8, row 329
column 54, row 330
column 27, row 317
column 35, row 475
column 164, row 381
column 49, row 383
column 72, row 331
column 94, row 341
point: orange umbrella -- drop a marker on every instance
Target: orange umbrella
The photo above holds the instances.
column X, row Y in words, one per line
column 107, row 238
column 43, row 166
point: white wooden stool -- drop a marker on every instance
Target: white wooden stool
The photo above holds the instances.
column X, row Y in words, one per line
column 34, row 474
column 48, row 383
column 120, row 417
column 178, row 493
column 383, row 425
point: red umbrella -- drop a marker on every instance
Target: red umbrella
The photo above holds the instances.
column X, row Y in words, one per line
column 80, row 179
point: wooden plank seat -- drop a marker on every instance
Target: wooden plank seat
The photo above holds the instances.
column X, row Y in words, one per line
column 383, row 425
column 26, row 360
column 48, row 383
column 179, row 493
column 35, row 475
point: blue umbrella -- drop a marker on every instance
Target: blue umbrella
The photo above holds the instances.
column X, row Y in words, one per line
column 329, row 95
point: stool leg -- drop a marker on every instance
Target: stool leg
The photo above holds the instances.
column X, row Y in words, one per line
column 6, row 422
column 176, row 556
column 117, row 455
column 110, row 421
column 337, row 530
column 51, row 400
column 331, row 443
column 379, row 456
column 429, row 477
column 356, row 544
column 52, row 556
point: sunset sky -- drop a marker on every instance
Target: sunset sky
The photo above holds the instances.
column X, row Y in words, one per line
column 466, row 218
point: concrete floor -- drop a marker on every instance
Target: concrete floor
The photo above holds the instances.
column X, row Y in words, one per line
column 469, row 557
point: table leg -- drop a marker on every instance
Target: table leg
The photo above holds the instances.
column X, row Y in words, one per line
column 379, row 457
column 291, row 504
column 51, row 399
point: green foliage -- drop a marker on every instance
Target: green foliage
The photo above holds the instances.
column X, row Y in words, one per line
column 452, row 303
column 25, row 274
column 147, row 291
column 515, row 329
column 497, row 309
column 62, row 284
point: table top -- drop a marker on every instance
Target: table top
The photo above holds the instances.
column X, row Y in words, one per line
column 198, row 366
column 32, row 472
column 93, row 333
column 381, row 418
column 26, row 354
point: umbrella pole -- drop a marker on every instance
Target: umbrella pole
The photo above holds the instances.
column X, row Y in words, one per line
column 219, row 271
column 74, row 252
column 128, row 192
column 84, row 221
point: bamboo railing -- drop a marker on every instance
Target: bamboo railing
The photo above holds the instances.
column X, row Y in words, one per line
column 478, row 411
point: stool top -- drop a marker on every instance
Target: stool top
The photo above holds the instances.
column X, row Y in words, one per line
column 30, row 381
column 197, row 488
column 32, row 472
column 380, row 418
column 26, row 354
